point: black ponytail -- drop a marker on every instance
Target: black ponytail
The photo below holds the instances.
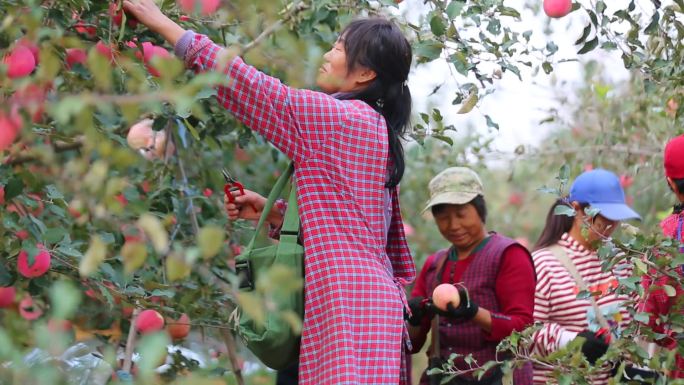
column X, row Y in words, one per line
column 556, row 225
column 379, row 45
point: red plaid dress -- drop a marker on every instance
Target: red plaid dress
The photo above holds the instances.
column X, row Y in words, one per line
column 353, row 330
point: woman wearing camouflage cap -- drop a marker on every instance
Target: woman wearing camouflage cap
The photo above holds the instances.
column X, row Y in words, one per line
column 495, row 279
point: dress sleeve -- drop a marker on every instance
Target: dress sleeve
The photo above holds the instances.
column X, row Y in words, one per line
column 295, row 121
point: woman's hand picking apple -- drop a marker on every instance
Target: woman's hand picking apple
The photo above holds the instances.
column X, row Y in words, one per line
column 148, row 13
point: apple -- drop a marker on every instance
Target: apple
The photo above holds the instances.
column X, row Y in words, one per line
column 31, row 98
column 117, row 16
column 10, row 125
column 150, row 143
column 626, row 181
column 81, row 27
column 208, row 192
column 515, row 199
column 445, row 293
column 33, row 211
column 149, row 321
column 75, row 55
column 29, row 310
column 180, row 328
column 40, row 266
column 205, row 7
column 7, row 296
column 56, row 325
column 151, row 51
column 557, row 8
column 33, row 47
column 20, row 62
column 22, row 234
column 105, row 50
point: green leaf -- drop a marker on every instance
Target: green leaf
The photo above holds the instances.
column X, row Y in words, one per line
column 134, row 255
column 454, row 8
column 670, row 291
column 640, row 266
column 210, row 240
column 428, row 50
column 548, row 68
column 176, row 268
column 14, row 188
column 491, row 123
column 551, row 47
column 55, row 234
column 444, row 138
column 508, row 11
column 65, row 298
column 589, row 46
column 53, row 193
column 155, row 231
column 97, row 251
column 152, row 349
column 585, row 34
column 564, row 210
column 437, row 25
column 469, row 103
column 653, row 25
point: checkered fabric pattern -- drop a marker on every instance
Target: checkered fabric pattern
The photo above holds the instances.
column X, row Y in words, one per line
column 353, row 331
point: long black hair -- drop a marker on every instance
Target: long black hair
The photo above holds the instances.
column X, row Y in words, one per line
column 556, row 225
column 379, row 45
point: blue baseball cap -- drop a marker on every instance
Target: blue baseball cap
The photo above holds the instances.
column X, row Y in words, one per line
column 601, row 189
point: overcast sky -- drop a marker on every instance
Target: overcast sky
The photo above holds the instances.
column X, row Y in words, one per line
column 517, row 106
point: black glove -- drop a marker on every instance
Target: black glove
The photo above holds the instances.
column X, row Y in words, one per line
column 595, row 344
column 420, row 308
column 466, row 309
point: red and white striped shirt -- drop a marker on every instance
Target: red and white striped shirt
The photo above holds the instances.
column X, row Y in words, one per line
column 562, row 314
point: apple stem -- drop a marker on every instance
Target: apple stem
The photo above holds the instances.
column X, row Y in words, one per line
column 130, row 342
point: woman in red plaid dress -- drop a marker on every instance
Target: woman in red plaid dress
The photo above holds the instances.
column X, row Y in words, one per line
column 345, row 144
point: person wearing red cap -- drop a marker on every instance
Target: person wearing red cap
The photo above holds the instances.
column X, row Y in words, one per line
column 658, row 303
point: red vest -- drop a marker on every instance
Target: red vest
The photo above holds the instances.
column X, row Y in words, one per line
column 466, row 337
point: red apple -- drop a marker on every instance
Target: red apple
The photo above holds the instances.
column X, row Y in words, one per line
column 626, row 181
column 207, row 192
column 22, row 234
column 29, row 310
column 10, row 125
column 20, row 62
column 117, row 16
column 515, row 199
column 40, row 266
column 149, row 52
column 205, row 7
column 7, row 296
column 557, row 8
column 149, row 321
column 75, row 55
column 31, row 98
column 105, row 50
column 180, row 328
column 33, row 47
column 445, row 293
column 81, row 27
column 55, row 325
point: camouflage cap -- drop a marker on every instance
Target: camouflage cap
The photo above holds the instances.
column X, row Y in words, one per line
column 455, row 185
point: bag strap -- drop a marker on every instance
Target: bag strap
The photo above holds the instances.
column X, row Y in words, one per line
column 272, row 196
column 559, row 252
column 434, row 336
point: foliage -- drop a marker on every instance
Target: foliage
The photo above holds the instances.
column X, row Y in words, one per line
column 125, row 232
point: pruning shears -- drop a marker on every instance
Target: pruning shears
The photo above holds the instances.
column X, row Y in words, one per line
column 232, row 184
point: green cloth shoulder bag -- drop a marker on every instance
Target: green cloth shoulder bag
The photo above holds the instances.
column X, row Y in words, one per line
column 273, row 339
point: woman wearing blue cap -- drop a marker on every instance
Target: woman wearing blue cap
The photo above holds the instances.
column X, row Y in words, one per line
column 566, row 263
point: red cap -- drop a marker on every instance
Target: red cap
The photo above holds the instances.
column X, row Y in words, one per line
column 674, row 158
